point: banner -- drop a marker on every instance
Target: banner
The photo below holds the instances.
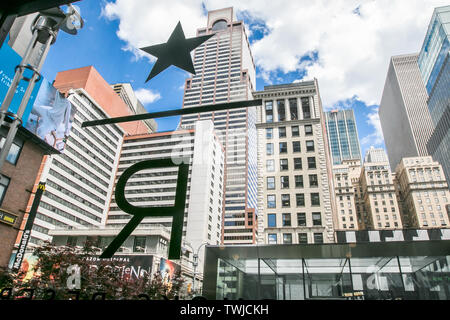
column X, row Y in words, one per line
column 168, row 269
column 48, row 114
column 51, row 116
column 134, row 266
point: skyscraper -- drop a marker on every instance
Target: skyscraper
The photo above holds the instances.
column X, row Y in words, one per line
column 126, row 93
column 375, row 155
column 79, row 183
column 342, row 135
column 404, row 116
column 295, row 198
column 225, row 72
column 157, row 187
column 434, row 67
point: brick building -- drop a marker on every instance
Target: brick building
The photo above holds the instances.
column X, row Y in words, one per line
column 17, row 185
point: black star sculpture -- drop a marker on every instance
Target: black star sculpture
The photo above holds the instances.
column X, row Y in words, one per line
column 176, row 51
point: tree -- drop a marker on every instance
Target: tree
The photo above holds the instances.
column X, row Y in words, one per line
column 56, row 269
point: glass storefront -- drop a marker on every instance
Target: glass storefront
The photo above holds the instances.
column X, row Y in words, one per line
column 402, row 271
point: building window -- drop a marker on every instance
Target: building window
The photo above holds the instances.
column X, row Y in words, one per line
column 269, row 111
column 303, row 238
column 306, row 108
column 313, row 182
column 271, row 220
column 284, row 164
column 299, row 181
column 271, row 201
column 281, row 110
column 4, row 183
column 318, row 238
column 269, row 133
column 311, row 162
column 139, row 244
column 287, row 238
column 308, row 130
column 269, row 149
column 317, row 220
column 310, row 146
column 298, row 163
column 284, row 182
column 295, row 131
column 282, row 132
column 293, row 108
column 272, row 238
column 286, row 219
column 270, row 183
column 270, row 165
column 315, row 199
column 14, row 151
column 296, row 146
column 219, row 25
column 300, row 199
column 283, row 147
column 71, row 241
column 301, row 219
column 285, row 200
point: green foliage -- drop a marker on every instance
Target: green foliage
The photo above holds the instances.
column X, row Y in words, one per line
column 51, row 272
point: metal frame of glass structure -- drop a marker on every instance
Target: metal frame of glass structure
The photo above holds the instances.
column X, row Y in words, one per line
column 365, row 271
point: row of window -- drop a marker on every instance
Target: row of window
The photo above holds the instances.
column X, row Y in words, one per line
column 293, row 109
column 298, row 179
column 302, row 238
column 70, row 182
column 295, row 131
column 296, row 147
column 284, row 164
column 286, row 219
column 286, row 200
column 95, row 146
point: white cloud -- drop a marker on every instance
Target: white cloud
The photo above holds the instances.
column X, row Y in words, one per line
column 147, row 96
column 353, row 50
column 148, row 22
column 376, row 137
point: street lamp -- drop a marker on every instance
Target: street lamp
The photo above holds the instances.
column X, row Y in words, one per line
column 195, row 263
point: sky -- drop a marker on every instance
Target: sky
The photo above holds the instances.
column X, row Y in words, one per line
column 345, row 44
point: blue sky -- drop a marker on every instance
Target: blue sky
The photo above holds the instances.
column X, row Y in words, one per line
column 284, row 52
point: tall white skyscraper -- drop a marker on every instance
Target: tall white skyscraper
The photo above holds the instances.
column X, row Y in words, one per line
column 225, row 72
column 404, row 116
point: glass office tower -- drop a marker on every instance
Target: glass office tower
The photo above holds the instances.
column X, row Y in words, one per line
column 434, row 66
column 342, row 135
column 225, row 72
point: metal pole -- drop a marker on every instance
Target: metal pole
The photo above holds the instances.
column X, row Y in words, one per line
column 195, row 257
column 401, row 276
column 351, row 277
column 196, row 262
column 303, row 273
column 17, row 77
